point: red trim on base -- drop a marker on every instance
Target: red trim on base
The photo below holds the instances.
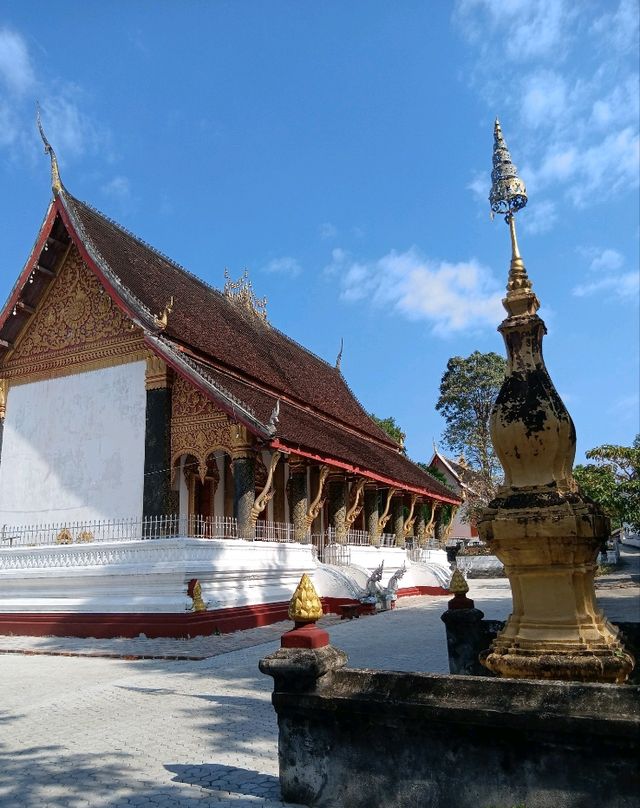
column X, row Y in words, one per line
column 153, row 624
column 422, row 590
column 305, row 636
column 104, row 625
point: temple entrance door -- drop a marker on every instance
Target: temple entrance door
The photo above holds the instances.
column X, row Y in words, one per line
column 202, row 500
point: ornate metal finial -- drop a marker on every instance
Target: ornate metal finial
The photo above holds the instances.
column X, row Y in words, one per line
column 458, row 584
column 508, row 196
column 339, row 356
column 241, row 291
column 56, row 182
column 508, row 193
column 305, row 606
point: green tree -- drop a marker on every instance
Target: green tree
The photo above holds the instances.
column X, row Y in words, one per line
column 392, row 429
column 613, row 481
column 468, row 390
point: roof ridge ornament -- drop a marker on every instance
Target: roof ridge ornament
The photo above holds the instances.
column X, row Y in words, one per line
column 241, row 291
column 339, row 357
column 56, row 182
column 508, row 196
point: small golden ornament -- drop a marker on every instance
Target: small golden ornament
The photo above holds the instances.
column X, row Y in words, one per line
column 64, row 537
column 458, row 584
column 305, row 606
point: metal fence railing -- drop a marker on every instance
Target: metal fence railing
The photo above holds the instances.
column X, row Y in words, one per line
column 160, row 527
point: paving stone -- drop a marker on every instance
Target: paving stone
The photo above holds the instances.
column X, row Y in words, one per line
column 107, row 732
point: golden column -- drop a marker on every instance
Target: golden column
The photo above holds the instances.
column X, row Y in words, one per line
column 539, row 525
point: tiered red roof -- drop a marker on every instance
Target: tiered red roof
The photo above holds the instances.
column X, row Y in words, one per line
column 237, row 358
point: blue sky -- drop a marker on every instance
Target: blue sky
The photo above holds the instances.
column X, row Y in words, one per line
column 341, row 151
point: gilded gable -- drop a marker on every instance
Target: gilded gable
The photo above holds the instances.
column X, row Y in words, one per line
column 76, row 327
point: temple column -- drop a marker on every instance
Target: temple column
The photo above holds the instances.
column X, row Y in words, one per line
column 420, row 526
column 398, row 520
column 299, row 499
column 338, row 508
column 158, row 498
column 244, row 482
column 371, row 514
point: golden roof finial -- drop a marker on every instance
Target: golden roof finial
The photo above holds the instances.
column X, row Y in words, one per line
column 508, row 196
column 305, row 606
column 56, row 182
column 241, row 291
column 162, row 319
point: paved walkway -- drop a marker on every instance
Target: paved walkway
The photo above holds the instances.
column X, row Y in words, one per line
column 159, row 732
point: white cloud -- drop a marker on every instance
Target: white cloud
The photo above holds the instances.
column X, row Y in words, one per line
column 620, row 28
column 70, row 130
column 119, row 188
column 16, row 71
column 452, row 297
column 539, row 218
column 566, row 89
column 544, row 97
column 606, row 276
column 529, row 29
column 480, row 185
column 625, row 286
column 608, row 260
column 286, row 265
column 328, row 230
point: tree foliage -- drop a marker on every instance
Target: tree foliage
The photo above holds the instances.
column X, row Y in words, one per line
column 468, row 390
column 392, row 429
column 613, row 481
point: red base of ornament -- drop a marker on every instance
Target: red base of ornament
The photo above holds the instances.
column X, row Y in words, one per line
column 460, row 602
column 305, row 635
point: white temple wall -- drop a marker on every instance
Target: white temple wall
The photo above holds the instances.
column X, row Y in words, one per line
column 73, row 448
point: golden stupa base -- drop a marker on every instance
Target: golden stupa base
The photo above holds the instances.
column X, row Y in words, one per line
column 556, row 630
column 612, row 664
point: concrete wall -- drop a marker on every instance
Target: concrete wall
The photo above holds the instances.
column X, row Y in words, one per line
column 73, row 448
column 375, row 739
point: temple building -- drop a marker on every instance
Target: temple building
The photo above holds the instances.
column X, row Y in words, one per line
column 466, row 483
column 138, row 403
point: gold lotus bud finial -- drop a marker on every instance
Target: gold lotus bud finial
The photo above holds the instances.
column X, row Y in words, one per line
column 458, row 584
column 508, row 196
column 305, row 606
column 56, row 182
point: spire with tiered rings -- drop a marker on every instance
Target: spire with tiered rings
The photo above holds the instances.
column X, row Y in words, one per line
column 508, row 196
column 56, row 182
column 539, row 525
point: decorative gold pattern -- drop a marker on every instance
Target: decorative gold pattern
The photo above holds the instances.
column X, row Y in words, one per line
column 386, row 515
column 162, row 319
column 241, row 292
column 76, row 327
column 305, row 606
column 158, row 374
column 458, row 584
column 85, row 536
column 355, row 505
column 447, row 530
column 64, row 536
column 198, row 428
column 198, row 604
column 266, row 495
column 4, row 389
column 407, row 528
column 318, row 503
